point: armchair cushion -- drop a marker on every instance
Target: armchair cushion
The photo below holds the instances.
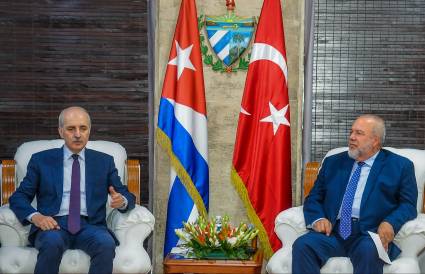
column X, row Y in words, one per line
column 26, row 150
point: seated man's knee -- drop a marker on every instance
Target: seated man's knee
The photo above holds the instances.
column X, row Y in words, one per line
column 104, row 245
column 364, row 257
column 50, row 241
column 301, row 243
column 109, row 244
column 365, row 249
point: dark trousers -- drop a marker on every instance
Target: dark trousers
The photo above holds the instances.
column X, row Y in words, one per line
column 96, row 241
column 311, row 251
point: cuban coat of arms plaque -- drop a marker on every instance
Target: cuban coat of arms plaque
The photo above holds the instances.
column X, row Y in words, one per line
column 229, row 37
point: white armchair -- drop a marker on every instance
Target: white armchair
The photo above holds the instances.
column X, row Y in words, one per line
column 131, row 228
column 290, row 224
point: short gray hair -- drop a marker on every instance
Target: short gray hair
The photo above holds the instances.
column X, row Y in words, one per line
column 379, row 127
column 62, row 114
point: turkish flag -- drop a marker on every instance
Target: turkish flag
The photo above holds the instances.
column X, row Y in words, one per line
column 261, row 169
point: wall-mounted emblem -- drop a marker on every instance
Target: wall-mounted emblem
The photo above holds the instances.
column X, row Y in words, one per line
column 228, row 37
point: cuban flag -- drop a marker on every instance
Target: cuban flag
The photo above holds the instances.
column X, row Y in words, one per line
column 182, row 126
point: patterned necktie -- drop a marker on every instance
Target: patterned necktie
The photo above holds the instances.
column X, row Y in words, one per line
column 347, row 203
column 74, row 200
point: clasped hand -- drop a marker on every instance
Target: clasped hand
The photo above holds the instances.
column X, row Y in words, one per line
column 44, row 222
column 323, row 226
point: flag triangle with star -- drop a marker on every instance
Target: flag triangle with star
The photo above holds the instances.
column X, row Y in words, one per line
column 182, row 60
column 184, row 74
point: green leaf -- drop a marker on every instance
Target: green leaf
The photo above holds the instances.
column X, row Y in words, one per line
column 218, row 65
column 208, row 59
column 204, row 49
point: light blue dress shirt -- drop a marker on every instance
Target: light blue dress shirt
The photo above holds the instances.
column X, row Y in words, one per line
column 364, row 174
column 67, row 172
column 360, row 185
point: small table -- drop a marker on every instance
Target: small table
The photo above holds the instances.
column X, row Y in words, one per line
column 251, row 266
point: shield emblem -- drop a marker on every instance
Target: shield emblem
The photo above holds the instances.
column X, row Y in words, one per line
column 229, row 37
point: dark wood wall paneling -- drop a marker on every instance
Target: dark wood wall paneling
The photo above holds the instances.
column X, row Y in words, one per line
column 369, row 57
column 55, row 54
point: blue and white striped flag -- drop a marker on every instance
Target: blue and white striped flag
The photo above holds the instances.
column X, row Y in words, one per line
column 182, row 126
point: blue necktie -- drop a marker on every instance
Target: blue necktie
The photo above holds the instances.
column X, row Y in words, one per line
column 347, row 203
column 74, row 199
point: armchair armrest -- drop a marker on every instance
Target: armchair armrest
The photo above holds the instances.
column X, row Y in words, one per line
column 411, row 237
column 131, row 229
column 12, row 232
column 290, row 224
column 122, row 223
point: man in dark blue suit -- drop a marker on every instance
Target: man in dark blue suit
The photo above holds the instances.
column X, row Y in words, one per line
column 71, row 185
column 365, row 189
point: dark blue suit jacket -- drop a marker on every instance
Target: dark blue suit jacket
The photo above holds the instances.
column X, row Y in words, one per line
column 44, row 179
column 390, row 193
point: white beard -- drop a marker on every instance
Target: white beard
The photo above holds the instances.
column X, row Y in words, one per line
column 354, row 154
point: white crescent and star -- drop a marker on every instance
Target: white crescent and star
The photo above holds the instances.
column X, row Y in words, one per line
column 261, row 51
column 182, row 59
column 276, row 117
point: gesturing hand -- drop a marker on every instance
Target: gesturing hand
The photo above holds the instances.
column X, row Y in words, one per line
column 44, row 222
column 117, row 200
column 323, row 226
column 386, row 234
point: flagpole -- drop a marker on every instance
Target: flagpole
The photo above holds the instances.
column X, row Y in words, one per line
column 308, row 83
column 151, row 111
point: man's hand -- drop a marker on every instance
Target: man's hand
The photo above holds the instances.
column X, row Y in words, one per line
column 117, row 200
column 323, row 226
column 386, row 233
column 44, row 222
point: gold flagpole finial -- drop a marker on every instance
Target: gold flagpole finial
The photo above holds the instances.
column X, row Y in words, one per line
column 230, row 4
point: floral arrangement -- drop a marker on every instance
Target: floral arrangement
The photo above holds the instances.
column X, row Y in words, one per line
column 207, row 238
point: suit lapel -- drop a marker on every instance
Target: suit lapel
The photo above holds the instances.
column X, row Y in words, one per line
column 372, row 178
column 345, row 172
column 58, row 171
column 89, row 176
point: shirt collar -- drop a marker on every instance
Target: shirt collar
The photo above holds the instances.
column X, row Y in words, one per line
column 67, row 153
column 369, row 162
